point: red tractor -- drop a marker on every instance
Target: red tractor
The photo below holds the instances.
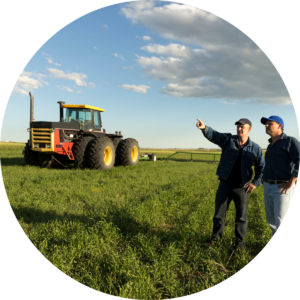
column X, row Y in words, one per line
column 79, row 138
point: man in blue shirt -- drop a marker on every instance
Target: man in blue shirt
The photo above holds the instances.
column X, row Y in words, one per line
column 281, row 171
column 235, row 172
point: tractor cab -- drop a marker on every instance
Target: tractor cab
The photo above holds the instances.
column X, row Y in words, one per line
column 88, row 117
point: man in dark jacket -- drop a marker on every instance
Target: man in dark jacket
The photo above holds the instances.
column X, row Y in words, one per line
column 281, row 171
column 239, row 154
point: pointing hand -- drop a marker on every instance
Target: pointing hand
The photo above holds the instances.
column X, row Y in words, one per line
column 200, row 124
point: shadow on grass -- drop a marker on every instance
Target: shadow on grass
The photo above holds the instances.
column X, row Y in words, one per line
column 13, row 161
column 128, row 225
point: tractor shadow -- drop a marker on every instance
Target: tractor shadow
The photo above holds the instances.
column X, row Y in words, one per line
column 12, row 161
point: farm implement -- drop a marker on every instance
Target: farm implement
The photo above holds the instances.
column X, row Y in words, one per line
column 78, row 138
column 148, row 156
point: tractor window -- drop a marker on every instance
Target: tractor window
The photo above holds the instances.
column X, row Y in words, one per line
column 81, row 116
column 96, row 118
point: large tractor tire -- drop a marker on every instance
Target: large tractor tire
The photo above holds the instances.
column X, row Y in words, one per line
column 45, row 160
column 80, row 152
column 128, row 152
column 30, row 157
column 102, row 154
column 116, row 142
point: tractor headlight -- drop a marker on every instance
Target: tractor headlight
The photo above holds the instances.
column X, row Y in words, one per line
column 52, row 130
column 48, row 146
column 35, row 145
column 28, row 129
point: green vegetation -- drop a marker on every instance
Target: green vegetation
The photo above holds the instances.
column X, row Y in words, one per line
column 135, row 232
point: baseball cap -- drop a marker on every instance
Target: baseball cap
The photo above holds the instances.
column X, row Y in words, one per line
column 272, row 118
column 243, row 121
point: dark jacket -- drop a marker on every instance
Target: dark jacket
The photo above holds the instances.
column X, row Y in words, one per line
column 252, row 156
column 282, row 159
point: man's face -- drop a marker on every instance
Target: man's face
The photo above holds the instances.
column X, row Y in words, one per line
column 273, row 127
column 243, row 130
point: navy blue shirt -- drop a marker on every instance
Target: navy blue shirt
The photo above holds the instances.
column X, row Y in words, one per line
column 282, row 159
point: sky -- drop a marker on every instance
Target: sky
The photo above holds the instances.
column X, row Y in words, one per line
column 155, row 67
column 272, row 25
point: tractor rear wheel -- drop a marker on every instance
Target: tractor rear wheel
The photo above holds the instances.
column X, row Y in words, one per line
column 45, row 160
column 116, row 142
column 80, row 152
column 128, row 152
column 102, row 154
column 30, row 157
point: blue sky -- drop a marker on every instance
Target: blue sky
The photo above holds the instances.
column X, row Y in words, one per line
column 155, row 67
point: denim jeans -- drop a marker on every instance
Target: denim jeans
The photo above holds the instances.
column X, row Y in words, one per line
column 223, row 198
column 276, row 204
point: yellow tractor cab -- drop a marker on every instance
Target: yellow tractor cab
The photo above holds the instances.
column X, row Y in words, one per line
column 87, row 116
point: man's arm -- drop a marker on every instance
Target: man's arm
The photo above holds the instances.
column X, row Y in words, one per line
column 258, row 168
column 294, row 153
column 212, row 135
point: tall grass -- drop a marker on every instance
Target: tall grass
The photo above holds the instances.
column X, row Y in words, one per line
column 135, row 232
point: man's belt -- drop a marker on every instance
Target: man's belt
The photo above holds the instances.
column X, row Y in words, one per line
column 275, row 181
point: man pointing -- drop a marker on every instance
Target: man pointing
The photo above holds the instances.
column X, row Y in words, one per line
column 239, row 154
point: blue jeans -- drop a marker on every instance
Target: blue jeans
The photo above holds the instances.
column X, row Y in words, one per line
column 224, row 195
column 276, row 204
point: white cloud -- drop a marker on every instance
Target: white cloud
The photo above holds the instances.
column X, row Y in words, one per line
column 58, row 74
column 50, row 61
column 95, row 48
column 230, row 103
column 105, row 26
column 29, row 81
column 65, row 88
column 147, row 38
column 119, row 55
column 129, row 68
column 136, row 88
column 172, row 49
column 226, row 64
column 92, row 85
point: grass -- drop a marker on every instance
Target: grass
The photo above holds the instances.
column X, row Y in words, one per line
column 135, row 232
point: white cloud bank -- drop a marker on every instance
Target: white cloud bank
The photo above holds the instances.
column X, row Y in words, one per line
column 28, row 82
column 58, row 74
column 225, row 63
column 136, row 88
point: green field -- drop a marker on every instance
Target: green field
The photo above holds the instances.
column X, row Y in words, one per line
column 135, row 232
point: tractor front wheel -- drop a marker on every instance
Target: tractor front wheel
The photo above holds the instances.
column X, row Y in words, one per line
column 102, row 154
column 80, row 151
column 30, row 157
column 128, row 152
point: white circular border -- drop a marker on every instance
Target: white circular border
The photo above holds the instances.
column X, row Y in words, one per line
column 26, row 26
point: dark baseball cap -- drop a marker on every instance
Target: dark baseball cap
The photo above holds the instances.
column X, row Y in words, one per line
column 243, row 121
column 272, row 118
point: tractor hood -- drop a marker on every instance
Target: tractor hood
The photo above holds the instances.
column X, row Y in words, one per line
column 62, row 125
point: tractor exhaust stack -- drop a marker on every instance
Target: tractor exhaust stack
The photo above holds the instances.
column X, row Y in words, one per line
column 31, row 108
column 61, row 111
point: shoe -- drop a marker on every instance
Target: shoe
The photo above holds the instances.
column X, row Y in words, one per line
column 239, row 247
column 211, row 242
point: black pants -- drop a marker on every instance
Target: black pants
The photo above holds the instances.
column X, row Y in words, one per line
column 223, row 198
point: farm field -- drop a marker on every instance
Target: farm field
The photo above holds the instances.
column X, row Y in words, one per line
column 135, row 232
